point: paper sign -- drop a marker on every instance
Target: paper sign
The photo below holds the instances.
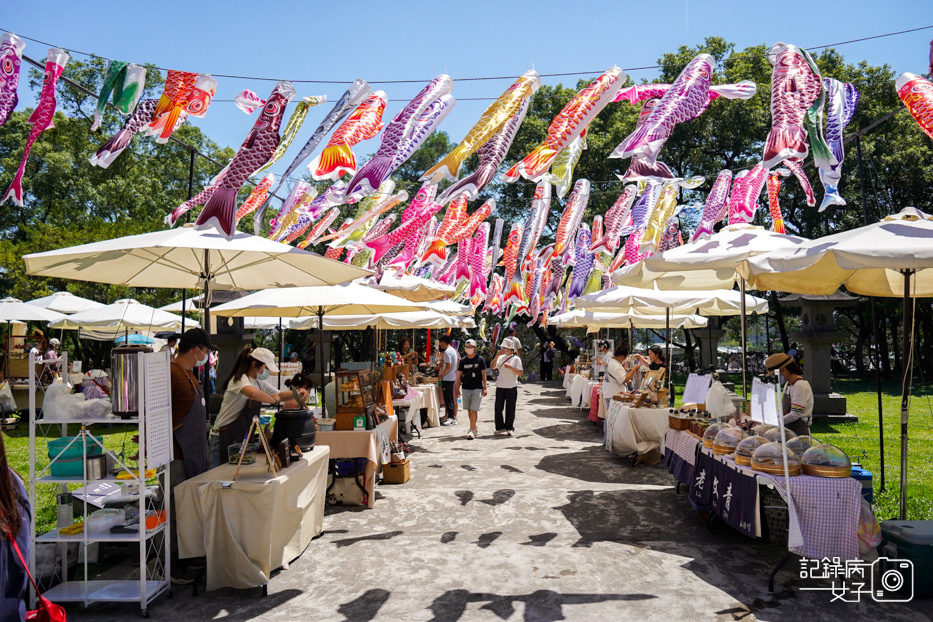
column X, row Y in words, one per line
column 764, row 402
column 697, row 386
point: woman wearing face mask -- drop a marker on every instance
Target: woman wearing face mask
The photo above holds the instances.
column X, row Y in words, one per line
column 245, row 390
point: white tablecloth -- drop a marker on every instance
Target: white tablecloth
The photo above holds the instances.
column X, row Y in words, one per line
column 631, row 430
column 577, row 390
column 370, row 444
column 413, row 407
column 568, row 378
column 430, row 401
column 252, row 526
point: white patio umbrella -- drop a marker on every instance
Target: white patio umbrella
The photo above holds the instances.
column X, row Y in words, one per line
column 13, row 311
column 382, row 321
column 65, row 302
column 580, row 318
column 185, row 304
column 412, row 287
column 890, row 258
column 126, row 315
column 297, row 302
column 708, row 263
column 448, row 307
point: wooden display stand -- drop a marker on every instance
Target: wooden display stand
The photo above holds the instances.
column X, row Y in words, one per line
column 355, row 398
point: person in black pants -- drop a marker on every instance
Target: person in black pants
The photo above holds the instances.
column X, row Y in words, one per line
column 547, row 360
column 448, row 376
column 509, row 365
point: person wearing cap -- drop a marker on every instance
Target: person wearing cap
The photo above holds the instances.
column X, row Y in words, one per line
column 509, row 364
column 189, row 424
column 797, row 403
column 448, row 376
column 293, row 359
column 471, row 383
column 170, row 344
column 245, row 390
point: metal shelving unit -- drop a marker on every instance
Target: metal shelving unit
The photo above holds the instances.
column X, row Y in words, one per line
column 155, row 453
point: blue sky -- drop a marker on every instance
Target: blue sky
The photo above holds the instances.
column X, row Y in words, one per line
column 402, row 40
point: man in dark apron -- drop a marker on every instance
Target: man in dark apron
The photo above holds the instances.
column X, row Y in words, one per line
column 797, row 404
column 189, row 424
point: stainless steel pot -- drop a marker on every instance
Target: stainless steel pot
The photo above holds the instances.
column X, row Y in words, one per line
column 124, row 379
column 97, row 467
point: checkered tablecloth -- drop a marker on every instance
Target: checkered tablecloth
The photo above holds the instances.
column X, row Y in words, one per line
column 827, row 508
column 683, row 444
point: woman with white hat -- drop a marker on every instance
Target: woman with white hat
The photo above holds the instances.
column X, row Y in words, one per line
column 245, row 390
column 509, row 364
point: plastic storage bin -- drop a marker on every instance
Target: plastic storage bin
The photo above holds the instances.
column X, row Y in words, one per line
column 913, row 541
column 865, row 478
column 71, row 462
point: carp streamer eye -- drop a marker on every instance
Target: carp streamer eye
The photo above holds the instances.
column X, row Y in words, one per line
column 196, row 106
column 272, row 108
column 47, row 77
column 8, row 66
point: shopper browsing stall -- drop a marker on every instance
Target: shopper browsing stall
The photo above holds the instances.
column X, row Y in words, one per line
column 245, row 390
column 615, row 377
column 509, row 364
column 471, row 383
column 797, row 404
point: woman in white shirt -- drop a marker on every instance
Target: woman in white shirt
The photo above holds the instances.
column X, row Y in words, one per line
column 614, row 380
column 510, row 368
column 245, row 390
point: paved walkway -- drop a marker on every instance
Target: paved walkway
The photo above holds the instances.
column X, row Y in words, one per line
column 544, row 525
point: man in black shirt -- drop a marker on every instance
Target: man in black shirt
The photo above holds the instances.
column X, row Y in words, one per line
column 471, row 384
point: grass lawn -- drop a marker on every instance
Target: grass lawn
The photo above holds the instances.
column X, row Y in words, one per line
column 17, row 448
column 861, row 441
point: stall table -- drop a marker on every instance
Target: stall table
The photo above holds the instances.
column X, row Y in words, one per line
column 248, row 528
column 370, row 444
column 430, row 401
column 412, row 402
column 635, row 430
column 391, row 372
column 578, row 390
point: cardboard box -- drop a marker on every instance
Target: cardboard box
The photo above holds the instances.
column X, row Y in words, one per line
column 396, row 472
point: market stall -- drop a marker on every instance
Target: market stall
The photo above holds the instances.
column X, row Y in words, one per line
column 635, row 431
column 249, row 527
column 373, row 445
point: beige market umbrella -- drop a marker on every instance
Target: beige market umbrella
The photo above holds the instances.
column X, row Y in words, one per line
column 65, row 302
column 123, row 315
column 297, row 302
column 412, row 287
column 580, row 318
column 890, row 258
column 382, row 321
column 14, row 310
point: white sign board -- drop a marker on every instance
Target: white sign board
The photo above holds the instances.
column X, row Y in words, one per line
column 155, row 414
column 764, row 402
column 697, row 386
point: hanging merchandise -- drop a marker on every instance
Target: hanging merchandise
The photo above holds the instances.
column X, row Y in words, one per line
column 256, row 197
column 295, row 121
column 320, row 227
column 248, row 102
column 351, row 98
column 11, row 58
column 561, row 174
column 490, row 156
column 480, row 246
column 407, row 131
column 615, row 216
column 126, row 83
column 841, row 102
column 716, row 207
column 489, row 124
column 583, row 263
column 253, row 153
column 337, row 158
column 684, row 100
column 304, row 217
column 572, row 217
column 570, row 123
column 171, row 107
column 510, row 261
column 774, row 205
column 917, row 94
column 746, row 188
column 663, row 211
column 41, row 118
column 795, row 87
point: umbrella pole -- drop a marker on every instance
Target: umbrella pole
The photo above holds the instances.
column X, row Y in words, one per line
column 184, row 292
column 709, row 346
column 184, row 296
column 281, row 353
column 206, row 307
column 667, row 354
column 905, row 364
column 874, row 323
column 319, row 359
column 744, row 371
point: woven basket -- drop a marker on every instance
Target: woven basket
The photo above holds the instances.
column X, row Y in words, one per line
column 774, row 515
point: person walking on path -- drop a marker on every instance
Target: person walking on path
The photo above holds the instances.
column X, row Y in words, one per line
column 510, row 368
column 471, row 383
column 547, row 360
column 448, row 376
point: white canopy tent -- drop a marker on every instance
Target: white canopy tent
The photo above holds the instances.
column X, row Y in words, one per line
column 123, row 315
column 65, row 302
